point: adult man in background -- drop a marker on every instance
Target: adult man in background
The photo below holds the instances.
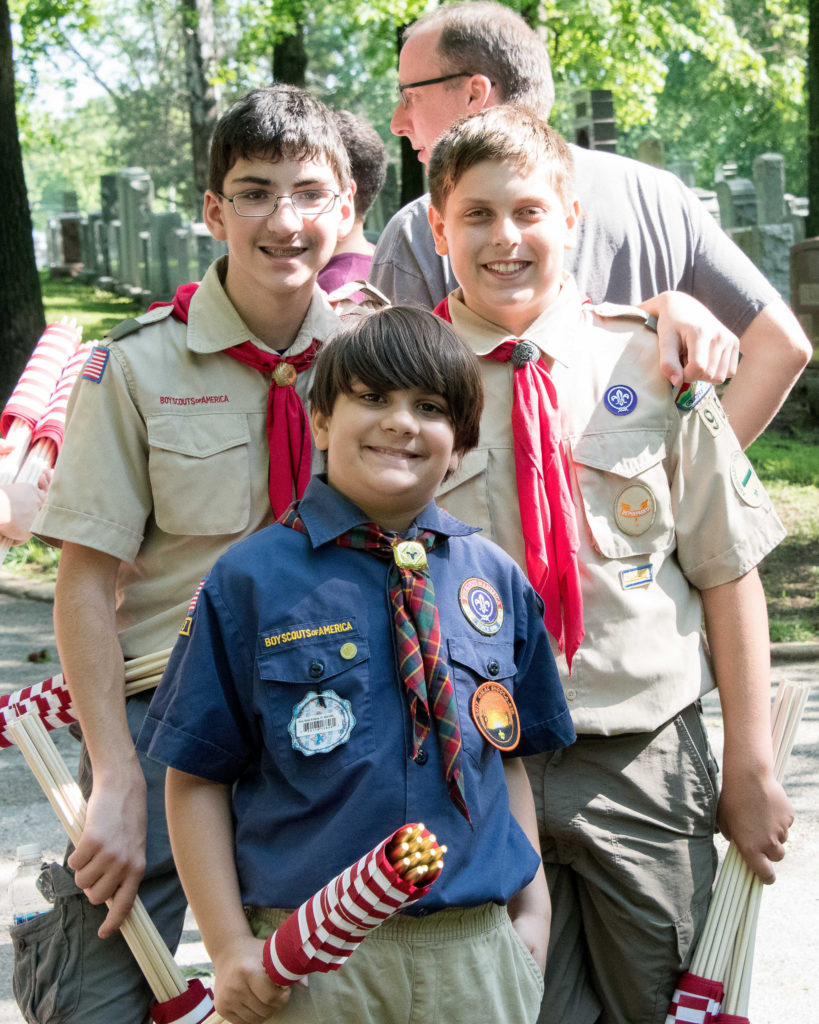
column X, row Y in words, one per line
column 643, row 233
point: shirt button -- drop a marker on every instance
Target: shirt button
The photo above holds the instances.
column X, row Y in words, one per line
column 316, row 669
column 492, row 667
column 571, row 694
column 421, row 757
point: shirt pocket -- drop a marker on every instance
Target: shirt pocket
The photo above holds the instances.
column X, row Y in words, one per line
column 475, row 662
column 289, row 674
column 199, row 467
column 625, row 491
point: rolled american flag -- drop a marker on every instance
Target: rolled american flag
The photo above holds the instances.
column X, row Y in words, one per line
column 327, row 928
column 49, row 700
column 51, row 424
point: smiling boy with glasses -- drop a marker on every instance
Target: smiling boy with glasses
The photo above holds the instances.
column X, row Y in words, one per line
column 188, row 433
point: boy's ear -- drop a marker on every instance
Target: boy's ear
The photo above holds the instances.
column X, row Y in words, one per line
column 213, row 215
column 346, row 207
column 436, row 222
column 319, row 425
column 573, row 214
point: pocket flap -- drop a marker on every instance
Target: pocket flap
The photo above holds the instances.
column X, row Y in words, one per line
column 472, row 464
column 198, row 435
column 309, row 661
column 622, row 452
column 486, row 658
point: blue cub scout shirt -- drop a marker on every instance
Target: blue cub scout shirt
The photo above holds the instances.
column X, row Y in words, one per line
column 285, row 615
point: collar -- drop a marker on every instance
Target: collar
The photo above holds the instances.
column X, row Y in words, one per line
column 214, row 323
column 553, row 331
column 327, row 514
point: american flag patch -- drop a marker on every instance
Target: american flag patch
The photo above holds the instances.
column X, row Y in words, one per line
column 95, row 367
column 186, row 625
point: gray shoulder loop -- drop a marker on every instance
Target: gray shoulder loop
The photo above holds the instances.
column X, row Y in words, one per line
column 136, row 323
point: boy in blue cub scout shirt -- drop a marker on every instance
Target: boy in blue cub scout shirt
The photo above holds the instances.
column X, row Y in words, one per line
column 669, row 522
column 266, row 803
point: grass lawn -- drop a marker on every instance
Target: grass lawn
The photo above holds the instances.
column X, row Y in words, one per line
column 786, row 459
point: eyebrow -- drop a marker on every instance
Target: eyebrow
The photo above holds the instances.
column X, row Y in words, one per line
column 253, row 179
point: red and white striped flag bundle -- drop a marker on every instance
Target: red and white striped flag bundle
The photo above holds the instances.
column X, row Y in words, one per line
column 51, row 424
column 193, row 1006
column 49, row 700
column 327, row 929
column 696, row 1000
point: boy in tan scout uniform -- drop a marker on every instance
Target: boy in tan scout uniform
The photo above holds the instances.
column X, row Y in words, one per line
column 186, row 427
column 663, row 520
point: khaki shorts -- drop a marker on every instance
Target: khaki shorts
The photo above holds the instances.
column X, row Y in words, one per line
column 626, row 828
column 451, row 967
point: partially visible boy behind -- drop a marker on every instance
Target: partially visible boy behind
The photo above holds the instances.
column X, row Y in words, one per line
column 320, row 618
column 187, row 425
column 647, row 516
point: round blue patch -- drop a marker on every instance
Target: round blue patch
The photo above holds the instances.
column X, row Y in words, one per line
column 620, row 399
column 481, row 604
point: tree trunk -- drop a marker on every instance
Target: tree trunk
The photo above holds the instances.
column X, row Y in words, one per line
column 412, row 170
column 198, row 31
column 812, row 226
column 290, row 59
column 22, row 320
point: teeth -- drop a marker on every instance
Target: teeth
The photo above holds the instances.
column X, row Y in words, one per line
column 282, row 252
column 506, row 268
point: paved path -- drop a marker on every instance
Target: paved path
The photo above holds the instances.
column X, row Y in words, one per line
column 785, row 985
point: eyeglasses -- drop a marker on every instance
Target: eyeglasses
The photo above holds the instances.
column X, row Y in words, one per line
column 308, row 202
column 431, row 81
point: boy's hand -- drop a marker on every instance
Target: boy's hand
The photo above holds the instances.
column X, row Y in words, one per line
column 534, row 930
column 243, row 993
column 755, row 813
column 693, row 344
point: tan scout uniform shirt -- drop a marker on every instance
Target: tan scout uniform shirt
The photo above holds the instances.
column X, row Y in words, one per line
column 165, row 461
column 666, row 506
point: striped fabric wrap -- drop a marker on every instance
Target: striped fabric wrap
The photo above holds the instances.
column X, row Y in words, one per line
column 327, row 928
column 696, row 1000
column 193, row 1006
column 50, row 700
column 30, row 397
column 52, row 422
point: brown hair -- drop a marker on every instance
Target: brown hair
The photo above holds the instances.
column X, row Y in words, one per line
column 486, row 38
column 279, row 122
column 500, row 134
column 403, row 347
column 368, row 158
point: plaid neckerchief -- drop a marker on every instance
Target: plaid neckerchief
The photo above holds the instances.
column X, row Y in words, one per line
column 418, row 634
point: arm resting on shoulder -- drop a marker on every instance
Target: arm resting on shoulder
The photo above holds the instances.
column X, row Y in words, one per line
column 530, row 909
column 109, row 860
column 775, row 350
column 753, row 809
column 201, row 830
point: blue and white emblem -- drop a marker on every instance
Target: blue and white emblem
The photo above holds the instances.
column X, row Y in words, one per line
column 481, row 604
column 620, row 399
column 320, row 723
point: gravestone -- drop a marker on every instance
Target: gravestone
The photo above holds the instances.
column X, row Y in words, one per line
column 594, row 122
column 652, row 152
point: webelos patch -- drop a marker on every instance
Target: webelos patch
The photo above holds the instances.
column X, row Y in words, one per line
column 481, row 604
column 691, row 393
column 95, row 364
column 620, row 399
column 320, row 723
column 494, row 713
column 746, row 482
column 634, row 509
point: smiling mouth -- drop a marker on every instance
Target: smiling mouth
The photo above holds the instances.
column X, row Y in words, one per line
column 504, row 267
column 286, row 252
column 393, row 453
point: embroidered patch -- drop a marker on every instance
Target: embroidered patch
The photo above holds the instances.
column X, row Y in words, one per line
column 481, row 604
column 634, row 509
column 712, row 414
column 620, row 399
column 691, row 394
column 639, row 576
column 746, row 482
column 186, row 625
column 95, row 364
column 306, row 633
column 320, row 723
column 494, row 713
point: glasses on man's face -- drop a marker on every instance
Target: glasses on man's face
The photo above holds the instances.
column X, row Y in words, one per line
column 430, row 81
column 307, row 202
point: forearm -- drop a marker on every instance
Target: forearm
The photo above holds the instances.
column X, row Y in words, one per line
column 774, row 350
column 754, row 810
column 530, row 909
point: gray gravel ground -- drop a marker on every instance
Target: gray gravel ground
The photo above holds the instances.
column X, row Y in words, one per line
column 785, row 982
